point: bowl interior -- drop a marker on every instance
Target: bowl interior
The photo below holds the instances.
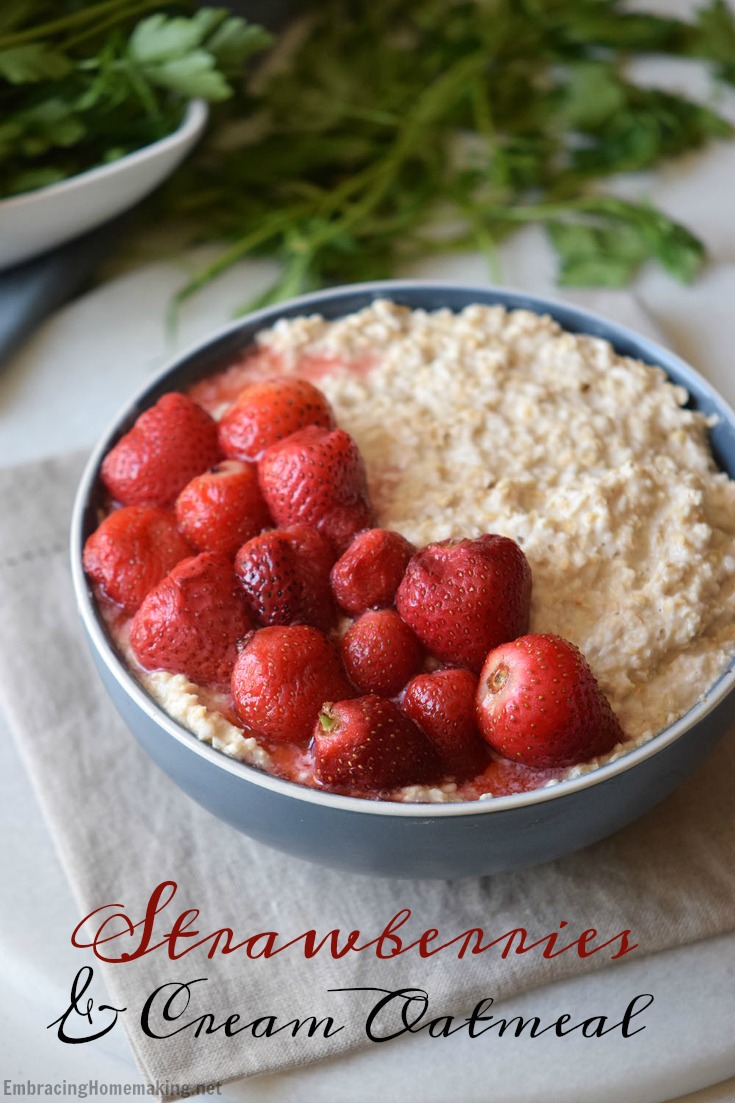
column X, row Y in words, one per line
column 224, row 345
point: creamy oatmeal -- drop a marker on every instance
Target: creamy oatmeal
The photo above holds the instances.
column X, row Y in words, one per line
column 497, row 421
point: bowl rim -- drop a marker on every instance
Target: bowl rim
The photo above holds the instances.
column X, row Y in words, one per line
column 192, row 123
column 649, row 350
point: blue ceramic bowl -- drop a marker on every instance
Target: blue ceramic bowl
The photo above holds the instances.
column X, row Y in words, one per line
column 379, row 837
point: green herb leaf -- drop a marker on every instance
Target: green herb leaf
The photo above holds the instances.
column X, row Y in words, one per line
column 676, row 249
column 33, row 63
column 593, row 94
column 84, row 83
column 35, row 178
column 234, row 41
column 594, row 257
column 49, row 124
column 192, row 56
column 383, row 131
column 193, row 75
column 713, row 38
column 615, row 237
column 161, row 38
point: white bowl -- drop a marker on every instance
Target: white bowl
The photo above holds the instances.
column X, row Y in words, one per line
column 37, row 221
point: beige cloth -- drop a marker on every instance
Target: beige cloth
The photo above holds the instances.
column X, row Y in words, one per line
column 121, row 827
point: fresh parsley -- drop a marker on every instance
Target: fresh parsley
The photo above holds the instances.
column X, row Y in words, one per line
column 84, row 85
column 387, row 121
column 379, row 131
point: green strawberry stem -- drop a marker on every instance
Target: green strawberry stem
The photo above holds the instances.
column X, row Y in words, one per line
column 327, row 719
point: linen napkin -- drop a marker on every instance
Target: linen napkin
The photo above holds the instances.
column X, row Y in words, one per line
column 121, row 828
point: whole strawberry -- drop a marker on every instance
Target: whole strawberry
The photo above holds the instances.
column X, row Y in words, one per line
column 368, row 573
column 283, row 677
column 131, row 551
column 192, row 621
column 269, row 411
column 464, row 597
column 380, row 652
column 222, row 508
column 369, row 744
column 442, row 704
column 168, row 445
column 539, row 703
column 316, row 477
column 284, row 576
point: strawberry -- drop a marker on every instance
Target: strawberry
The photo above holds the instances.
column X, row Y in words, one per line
column 464, row 597
column 539, row 703
column 131, row 551
column 380, row 652
column 285, row 577
column 222, row 508
column 442, row 704
column 368, row 574
column 282, row 678
column 316, row 477
column 370, row 744
column 269, row 411
column 168, row 445
column 192, row 621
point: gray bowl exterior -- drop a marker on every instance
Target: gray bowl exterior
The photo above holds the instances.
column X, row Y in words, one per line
column 423, row 846
column 420, row 844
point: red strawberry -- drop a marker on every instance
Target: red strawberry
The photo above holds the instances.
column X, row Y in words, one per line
column 443, row 706
column 282, row 678
column 269, row 411
column 538, row 702
column 463, row 597
column 169, row 444
column 316, row 477
column 221, row 509
column 380, row 652
column 370, row 744
column 131, row 551
column 368, row 574
column 285, row 577
column 192, row 621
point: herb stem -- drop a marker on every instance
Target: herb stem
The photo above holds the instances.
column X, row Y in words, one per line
column 74, row 19
column 129, row 11
column 268, row 229
column 142, row 89
column 437, row 97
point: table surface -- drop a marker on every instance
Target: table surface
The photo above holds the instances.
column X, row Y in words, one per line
column 60, row 392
